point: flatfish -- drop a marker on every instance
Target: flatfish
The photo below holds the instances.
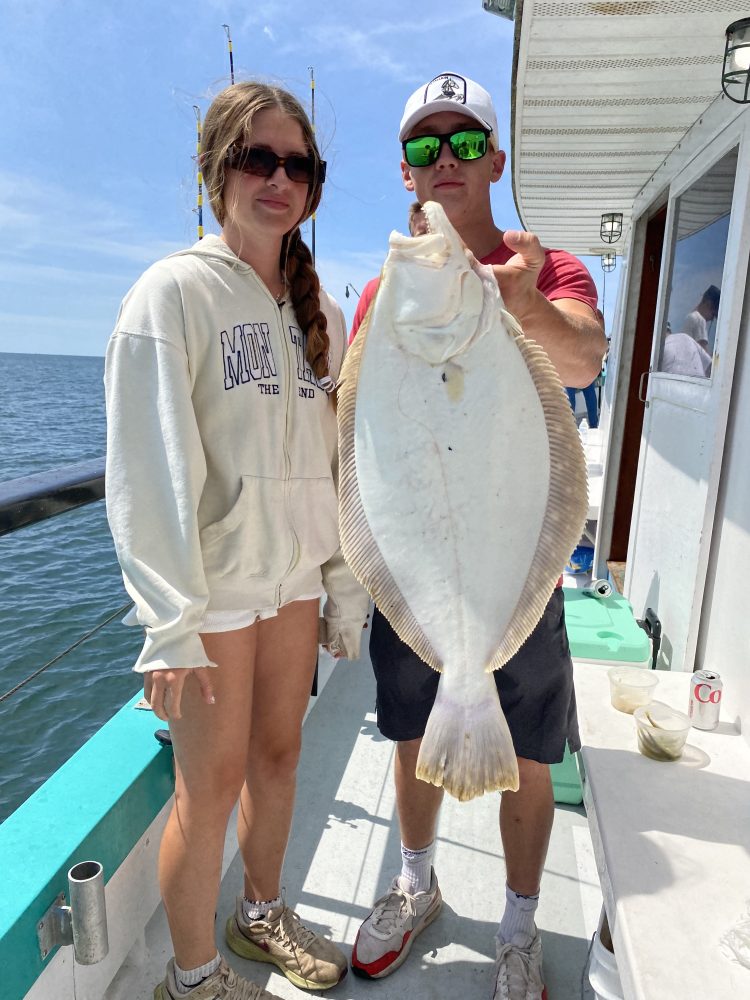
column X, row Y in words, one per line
column 462, row 488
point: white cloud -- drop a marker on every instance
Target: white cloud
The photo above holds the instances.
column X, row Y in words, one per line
column 268, row 32
column 26, row 272
column 67, row 261
column 358, row 48
column 387, row 47
column 53, row 222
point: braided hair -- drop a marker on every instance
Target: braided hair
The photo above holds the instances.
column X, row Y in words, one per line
column 304, row 289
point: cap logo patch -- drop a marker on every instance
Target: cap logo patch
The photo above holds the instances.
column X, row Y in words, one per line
column 446, row 88
column 449, row 88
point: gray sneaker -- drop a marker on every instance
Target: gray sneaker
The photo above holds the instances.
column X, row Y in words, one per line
column 387, row 934
column 518, row 972
column 224, row 984
column 306, row 959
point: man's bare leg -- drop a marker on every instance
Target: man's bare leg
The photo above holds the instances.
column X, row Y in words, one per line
column 418, row 802
column 526, row 818
column 526, row 825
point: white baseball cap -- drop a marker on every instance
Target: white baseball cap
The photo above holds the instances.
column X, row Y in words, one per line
column 449, row 92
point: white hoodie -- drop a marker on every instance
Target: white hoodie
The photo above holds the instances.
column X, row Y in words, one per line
column 221, row 456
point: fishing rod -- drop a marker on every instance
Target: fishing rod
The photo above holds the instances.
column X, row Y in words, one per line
column 199, row 138
column 199, row 204
column 231, row 57
column 312, row 122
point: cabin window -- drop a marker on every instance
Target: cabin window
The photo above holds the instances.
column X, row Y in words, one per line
column 701, row 225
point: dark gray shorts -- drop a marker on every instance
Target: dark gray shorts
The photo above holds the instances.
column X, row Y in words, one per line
column 535, row 688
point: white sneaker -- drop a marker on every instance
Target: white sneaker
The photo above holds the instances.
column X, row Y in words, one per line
column 224, row 984
column 387, row 934
column 518, row 972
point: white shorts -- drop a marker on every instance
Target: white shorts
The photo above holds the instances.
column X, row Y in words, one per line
column 228, row 621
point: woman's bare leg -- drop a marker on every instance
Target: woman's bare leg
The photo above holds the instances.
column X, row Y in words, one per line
column 284, row 669
column 210, row 744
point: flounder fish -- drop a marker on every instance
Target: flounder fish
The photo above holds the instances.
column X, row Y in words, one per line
column 462, row 488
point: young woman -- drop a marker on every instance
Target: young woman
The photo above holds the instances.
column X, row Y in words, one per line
column 221, row 496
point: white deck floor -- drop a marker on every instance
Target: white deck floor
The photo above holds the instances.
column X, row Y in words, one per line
column 344, row 851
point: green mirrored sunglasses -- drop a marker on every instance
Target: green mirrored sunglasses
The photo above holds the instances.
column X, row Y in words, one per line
column 467, row 144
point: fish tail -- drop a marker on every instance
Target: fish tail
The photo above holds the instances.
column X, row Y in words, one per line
column 468, row 749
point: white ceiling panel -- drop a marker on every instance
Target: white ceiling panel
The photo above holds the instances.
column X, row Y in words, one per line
column 603, row 91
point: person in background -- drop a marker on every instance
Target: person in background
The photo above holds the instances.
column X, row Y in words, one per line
column 696, row 322
column 590, row 392
column 590, row 398
column 418, row 226
column 681, row 355
column 417, row 220
column 451, row 155
column 221, row 497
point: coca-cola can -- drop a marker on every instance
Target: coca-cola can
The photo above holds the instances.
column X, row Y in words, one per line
column 705, row 699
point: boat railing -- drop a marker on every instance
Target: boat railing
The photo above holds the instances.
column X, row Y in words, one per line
column 38, row 497
column 35, row 498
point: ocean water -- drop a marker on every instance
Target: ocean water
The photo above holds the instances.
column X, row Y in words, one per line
column 58, row 579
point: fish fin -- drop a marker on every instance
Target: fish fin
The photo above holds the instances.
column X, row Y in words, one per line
column 567, row 497
column 468, row 749
column 359, row 548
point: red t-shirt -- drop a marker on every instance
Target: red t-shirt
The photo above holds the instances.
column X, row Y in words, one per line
column 563, row 276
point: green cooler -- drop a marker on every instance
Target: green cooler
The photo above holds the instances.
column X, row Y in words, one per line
column 602, row 631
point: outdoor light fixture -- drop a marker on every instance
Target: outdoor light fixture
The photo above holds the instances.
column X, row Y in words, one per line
column 608, row 261
column 503, row 8
column 735, row 76
column 610, row 229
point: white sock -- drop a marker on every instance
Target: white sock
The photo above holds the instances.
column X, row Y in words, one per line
column 186, row 979
column 517, row 926
column 256, row 909
column 416, row 868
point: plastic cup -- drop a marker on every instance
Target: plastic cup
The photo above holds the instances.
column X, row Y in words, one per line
column 662, row 731
column 631, row 687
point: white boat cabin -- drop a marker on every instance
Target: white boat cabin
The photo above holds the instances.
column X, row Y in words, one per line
column 618, row 110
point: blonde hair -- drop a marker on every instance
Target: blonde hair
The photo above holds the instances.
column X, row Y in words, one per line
column 229, row 122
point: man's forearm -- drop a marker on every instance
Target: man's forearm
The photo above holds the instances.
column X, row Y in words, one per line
column 575, row 342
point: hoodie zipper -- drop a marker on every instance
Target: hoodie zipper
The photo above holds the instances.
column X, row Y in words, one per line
column 287, row 455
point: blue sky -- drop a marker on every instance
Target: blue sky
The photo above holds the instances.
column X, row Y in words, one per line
column 97, row 178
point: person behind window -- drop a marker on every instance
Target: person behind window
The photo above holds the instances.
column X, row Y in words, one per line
column 684, row 356
column 696, row 322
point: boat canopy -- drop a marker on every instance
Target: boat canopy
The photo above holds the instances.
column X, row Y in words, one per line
column 602, row 93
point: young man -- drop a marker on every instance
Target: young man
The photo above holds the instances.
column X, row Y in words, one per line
column 451, row 155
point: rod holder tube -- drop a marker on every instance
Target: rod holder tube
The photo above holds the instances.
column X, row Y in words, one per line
column 88, row 912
